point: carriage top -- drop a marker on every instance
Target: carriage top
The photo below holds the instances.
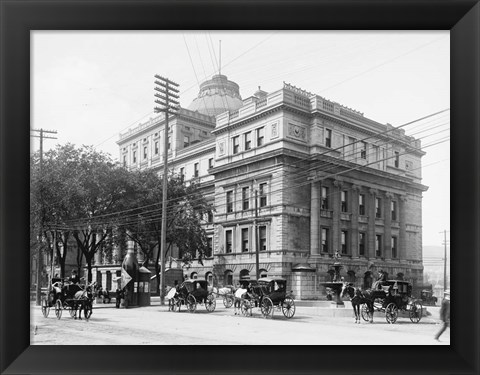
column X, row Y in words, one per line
column 191, row 284
column 398, row 287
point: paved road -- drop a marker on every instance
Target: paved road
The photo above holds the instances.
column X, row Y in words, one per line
column 155, row 325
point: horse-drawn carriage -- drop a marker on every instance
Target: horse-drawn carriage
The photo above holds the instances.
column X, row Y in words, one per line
column 428, row 298
column 268, row 293
column 63, row 295
column 189, row 293
column 227, row 294
column 390, row 297
column 395, row 296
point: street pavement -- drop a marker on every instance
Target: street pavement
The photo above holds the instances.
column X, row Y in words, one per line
column 313, row 324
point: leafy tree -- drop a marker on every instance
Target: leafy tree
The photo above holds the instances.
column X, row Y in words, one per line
column 78, row 189
column 185, row 208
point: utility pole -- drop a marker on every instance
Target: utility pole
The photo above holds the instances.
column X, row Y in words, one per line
column 257, row 255
column 167, row 98
column 38, row 290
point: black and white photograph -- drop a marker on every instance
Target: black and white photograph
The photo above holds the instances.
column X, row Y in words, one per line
column 240, row 187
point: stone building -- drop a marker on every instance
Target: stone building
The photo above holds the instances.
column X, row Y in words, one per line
column 297, row 177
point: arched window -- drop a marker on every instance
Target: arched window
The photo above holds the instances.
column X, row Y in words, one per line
column 228, row 280
column 244, row 274
column 193, row 275
column 351, row 277
column 209, row 278
column 367, row 280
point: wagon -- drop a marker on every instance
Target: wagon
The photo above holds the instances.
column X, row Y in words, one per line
column 270, row 294
column 395, row 296
column 66, row 296
column 190, row 293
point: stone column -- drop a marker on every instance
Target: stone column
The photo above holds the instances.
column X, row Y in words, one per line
column 104, row 279
column 402, row 241
column 354, row 221
column 336, row 244
column 387, row 229
column 315, row 219
column 370, row 251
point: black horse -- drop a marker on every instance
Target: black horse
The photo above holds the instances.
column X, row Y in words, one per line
column 358, row 298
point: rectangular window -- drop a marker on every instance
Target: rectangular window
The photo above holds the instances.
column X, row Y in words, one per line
column 245, row 198
column 352, row 142
column 378, row 208
column 376, row 152
column 325, row 240
column 344, row 205
column 244, row 239
column 134, row 156
column 363, row 150
column 378, row 245
column 229, row 201
column 209, row 217
column 263, row 195
column 248, row 141
column 209, row 251
column 236, row 145
column 361, row 204
column 361, row 243
column 168, row 147
column 324, row 198
column 228, row 241
column 394, row 210
column 260, row 136
column 195, row 170
column 145, row 152
column 156, row 148
column 262, row 234
column 344, row 242
column 397, row 159
column 124, row 160
column 210, row 163
column 182, row 172
column 394, row 247
column 328, row 138
column 186, row 141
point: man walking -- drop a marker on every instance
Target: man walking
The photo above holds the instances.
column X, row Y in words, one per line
column 444, row 314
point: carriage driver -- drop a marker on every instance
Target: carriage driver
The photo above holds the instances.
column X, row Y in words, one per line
column 380, row 280
column 74, row 279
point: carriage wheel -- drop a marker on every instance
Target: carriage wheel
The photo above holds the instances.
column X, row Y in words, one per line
column 210, row 303
column 288, row 307
column 45, row 307
column 391, row 313
column 365, row 313
column 267, row 307
column 191, row 303
column 246, row 307
column 228, row 300
column 87, row 309
column 58, row 309
column 416, row 312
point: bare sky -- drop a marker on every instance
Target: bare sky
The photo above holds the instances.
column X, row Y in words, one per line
column 90, row 86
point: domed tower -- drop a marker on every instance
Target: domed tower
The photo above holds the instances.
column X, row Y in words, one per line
column 216, row 96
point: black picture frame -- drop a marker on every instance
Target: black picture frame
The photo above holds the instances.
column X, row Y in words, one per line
column 19, row 17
